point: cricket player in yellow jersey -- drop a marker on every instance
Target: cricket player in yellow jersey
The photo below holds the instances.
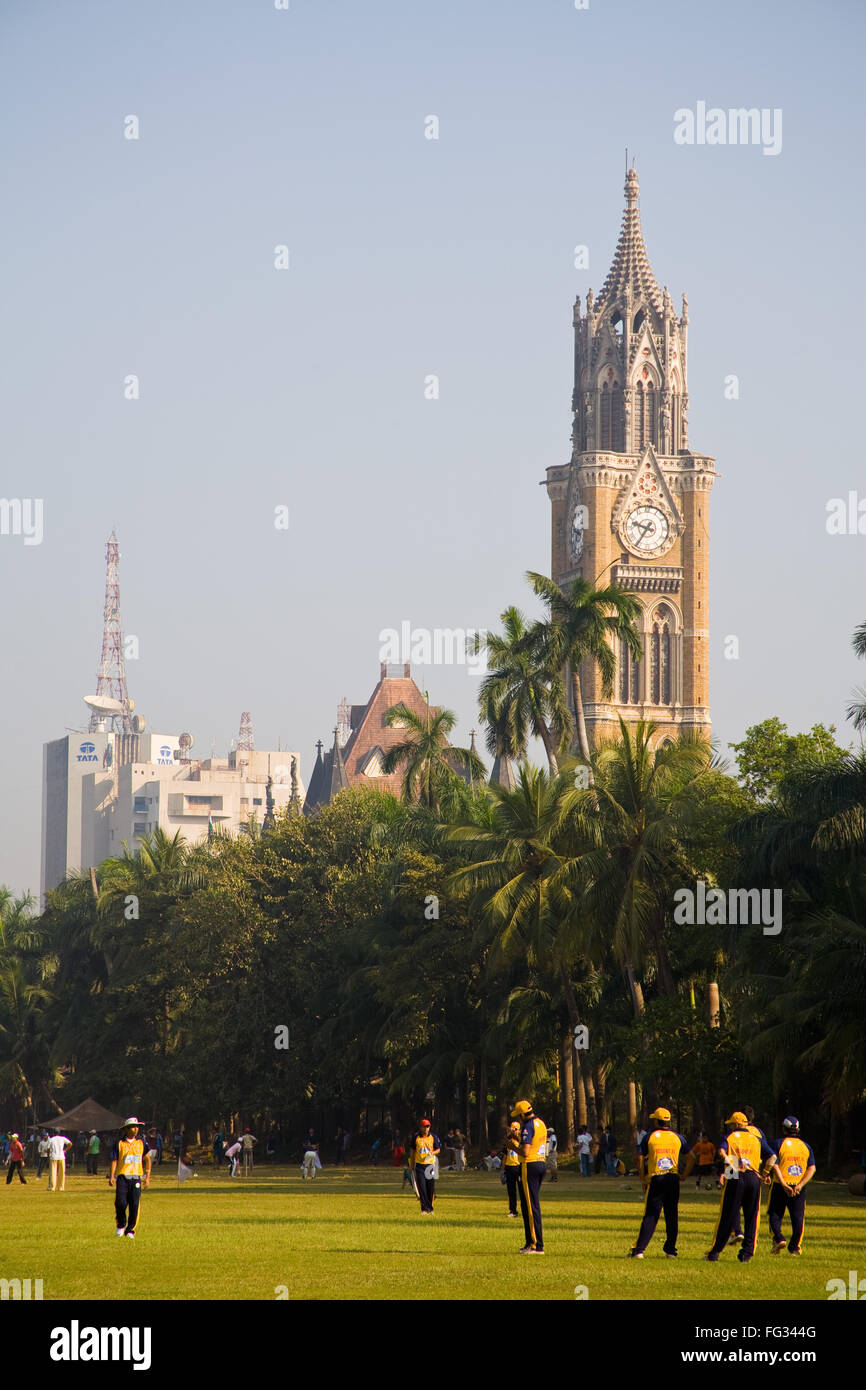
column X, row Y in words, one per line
column 511, row 1165
column 737, row 1233
column 659, row 1155
column 743, row 1153
column 422, row 1152
column 130, row 1162
column 794, row 1167
column 533, row 1164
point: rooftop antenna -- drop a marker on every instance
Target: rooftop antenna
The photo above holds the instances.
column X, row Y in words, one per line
column 245, row 733
column 111, row 706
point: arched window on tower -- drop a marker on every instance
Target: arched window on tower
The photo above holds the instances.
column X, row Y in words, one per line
column 660, row 656
column 611, row 434
column 629, row 675
column 645, row 416
column 618, row 420
column 605, row 418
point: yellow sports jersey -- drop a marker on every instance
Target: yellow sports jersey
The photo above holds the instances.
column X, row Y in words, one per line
column 663, row 1152
column 794, row 1157
column 129, row 1158
column 423, row 1149
column 534, row 1134
column 745, row 1146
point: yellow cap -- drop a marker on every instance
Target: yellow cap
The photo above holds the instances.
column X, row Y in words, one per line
column 661, row 1114
column 521, row 1110
column 738, row 1118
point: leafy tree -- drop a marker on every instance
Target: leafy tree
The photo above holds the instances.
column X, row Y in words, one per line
column 767, row 753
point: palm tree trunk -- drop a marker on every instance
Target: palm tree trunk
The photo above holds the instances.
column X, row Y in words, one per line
column 600, row 1096
column 632, row 1113
column 635, row 989
column 579, row 1096
column 581, row 738
column 566, row 1071
column 547, row 739
column 483, row 1136
column 589, row 1088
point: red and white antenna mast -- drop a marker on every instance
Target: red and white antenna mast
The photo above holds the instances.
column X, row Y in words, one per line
column 111, row 705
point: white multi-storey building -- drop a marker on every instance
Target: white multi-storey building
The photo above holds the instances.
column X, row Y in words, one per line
column 92, row 806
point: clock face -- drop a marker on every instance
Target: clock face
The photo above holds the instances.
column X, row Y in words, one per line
column 647, row 530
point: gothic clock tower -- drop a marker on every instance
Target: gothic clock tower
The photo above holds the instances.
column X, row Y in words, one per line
column 632, row 506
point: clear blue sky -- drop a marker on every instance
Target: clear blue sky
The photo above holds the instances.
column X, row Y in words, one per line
column 408, row 257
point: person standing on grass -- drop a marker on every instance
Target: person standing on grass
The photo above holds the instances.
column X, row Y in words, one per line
column 424, row 1150
column 311, row 1164
column 57, row 1146
column 584, row 1148
column 511, row 1165
column 44, row 1151
column 16, row 1160
column 233, row 1156
column 705, row 1151
column 459, row 1152
column 248, row 1142
column 658, row 1161
column 533, row 1155
column 550, row 1161
column 130, row 1162
column 793, row 1169
column 743, row 1153
column 92, row 1153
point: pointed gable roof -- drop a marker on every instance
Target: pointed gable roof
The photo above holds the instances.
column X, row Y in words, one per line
column 631, row 266
column 370, row 731
column 316, row 788
column 335, row 774
column 648, row 484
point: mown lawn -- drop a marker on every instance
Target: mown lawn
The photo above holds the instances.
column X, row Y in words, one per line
column 354, row 1235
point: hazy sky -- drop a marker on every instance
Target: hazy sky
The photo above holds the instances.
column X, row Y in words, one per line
column 408, row 257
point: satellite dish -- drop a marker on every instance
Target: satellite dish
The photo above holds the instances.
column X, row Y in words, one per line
column 138, row 723
column 104, row 704
column 185, row 742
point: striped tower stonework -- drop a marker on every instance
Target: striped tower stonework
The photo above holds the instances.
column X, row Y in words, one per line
column 631, row 507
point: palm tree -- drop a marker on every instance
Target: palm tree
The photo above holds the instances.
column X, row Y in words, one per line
column 26, row 1076
column 856, row 711
column 426, row 755
column 519, row 698
column 581, row 625
column 634, row 819
column 518, row 874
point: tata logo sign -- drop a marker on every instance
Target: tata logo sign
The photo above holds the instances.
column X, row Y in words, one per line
column 166, row 756
column 86, row 753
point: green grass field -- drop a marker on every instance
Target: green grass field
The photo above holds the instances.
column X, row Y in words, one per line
column 354, row 1235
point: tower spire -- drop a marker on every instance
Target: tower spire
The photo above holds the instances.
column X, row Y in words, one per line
column 631, row 271
column 111, row 675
